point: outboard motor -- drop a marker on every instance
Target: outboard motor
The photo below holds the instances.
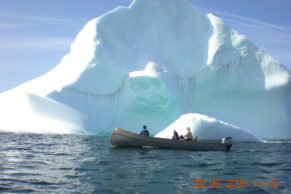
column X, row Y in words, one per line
column 227, row 140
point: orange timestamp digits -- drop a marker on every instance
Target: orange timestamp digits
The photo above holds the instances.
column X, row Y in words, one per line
column 199, row 183
column 272, row 183
column 237, row 183
column 234, row 183
column 217, row 183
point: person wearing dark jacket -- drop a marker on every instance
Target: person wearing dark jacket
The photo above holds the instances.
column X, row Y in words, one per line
column 175, row 136
column 144, row 131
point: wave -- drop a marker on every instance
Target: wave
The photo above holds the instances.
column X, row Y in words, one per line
column 277, row 140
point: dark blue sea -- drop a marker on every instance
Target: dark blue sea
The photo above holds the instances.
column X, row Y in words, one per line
column 89, row 164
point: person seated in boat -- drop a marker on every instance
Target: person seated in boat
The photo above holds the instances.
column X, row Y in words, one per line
column 182, row 138
column 175, row 136
column 188, row 136
column 144, row 131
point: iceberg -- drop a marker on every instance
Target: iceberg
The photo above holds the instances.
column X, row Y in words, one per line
column 207, row 128
column 150, row 63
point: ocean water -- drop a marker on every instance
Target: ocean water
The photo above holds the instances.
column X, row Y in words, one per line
column 89, row 164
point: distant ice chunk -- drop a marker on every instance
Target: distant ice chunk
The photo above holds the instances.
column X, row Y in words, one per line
column 207, row 128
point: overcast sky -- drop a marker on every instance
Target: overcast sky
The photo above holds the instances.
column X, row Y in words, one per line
column 36, row 34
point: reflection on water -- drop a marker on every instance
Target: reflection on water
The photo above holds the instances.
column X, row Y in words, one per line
column 88, row 163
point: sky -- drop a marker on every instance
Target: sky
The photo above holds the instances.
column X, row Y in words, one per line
column 36, row 34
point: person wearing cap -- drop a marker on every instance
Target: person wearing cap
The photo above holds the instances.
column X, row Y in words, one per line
column 188, row 136
column 144, row 131
column 175, row 136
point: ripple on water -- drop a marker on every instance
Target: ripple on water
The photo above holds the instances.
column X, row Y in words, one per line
column 89, row 164
column 104, row 162
column 267, row 163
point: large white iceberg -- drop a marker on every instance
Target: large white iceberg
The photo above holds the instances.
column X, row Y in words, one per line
column 150, row 63
column 206, row 128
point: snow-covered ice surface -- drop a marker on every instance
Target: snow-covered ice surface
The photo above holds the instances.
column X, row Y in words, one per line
column 32, row 113
column 207, row 128
column 150, row 63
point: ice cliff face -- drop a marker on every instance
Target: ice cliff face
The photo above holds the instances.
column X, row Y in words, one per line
column 149, row 64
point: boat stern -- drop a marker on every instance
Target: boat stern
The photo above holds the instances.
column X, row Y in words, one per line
column 112, row 137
